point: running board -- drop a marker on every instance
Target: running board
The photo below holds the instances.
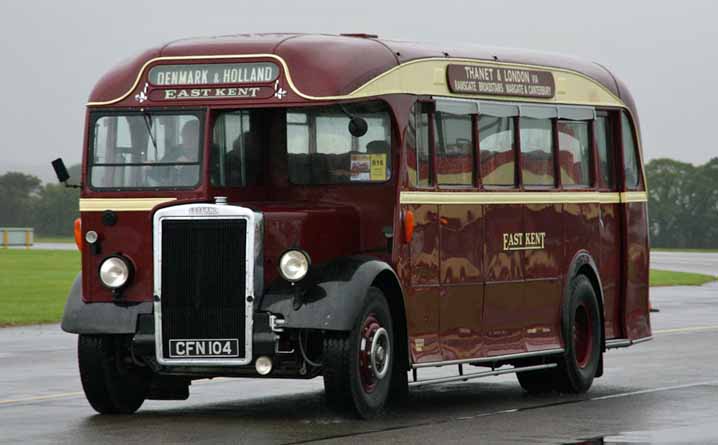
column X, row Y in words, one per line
column 624, row 342
column 491, row 359
column 477, row 375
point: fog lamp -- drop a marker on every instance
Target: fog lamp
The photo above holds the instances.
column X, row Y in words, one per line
column 91, row 237
column 263, row 365
column 114, row 272
column 294, row 265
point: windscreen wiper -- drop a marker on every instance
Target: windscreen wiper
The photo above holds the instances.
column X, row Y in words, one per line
column 148, row 123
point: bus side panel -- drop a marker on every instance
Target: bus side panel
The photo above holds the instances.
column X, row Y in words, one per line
column 637, row 310
column 424, row 294
column 504, row 310
column 609, row 268
column 581, row 232
column 461, row 231
column 542, row 271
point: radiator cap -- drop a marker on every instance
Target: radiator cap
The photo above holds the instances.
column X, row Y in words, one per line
column 220, row 200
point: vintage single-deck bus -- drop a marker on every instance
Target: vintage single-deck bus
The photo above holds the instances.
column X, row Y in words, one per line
column 295, row 206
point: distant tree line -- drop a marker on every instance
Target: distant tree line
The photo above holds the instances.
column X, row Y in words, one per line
column 50, row 209
column 683, row 203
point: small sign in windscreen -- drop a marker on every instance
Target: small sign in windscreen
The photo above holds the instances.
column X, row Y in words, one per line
column 214, row 74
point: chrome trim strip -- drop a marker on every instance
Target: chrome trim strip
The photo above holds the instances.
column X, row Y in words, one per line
column 477, row 375
column 495, row 358
column 624, row 342
column 204, row 212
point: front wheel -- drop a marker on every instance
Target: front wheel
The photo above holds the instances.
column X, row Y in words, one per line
column 111, row 387
column 358, row 365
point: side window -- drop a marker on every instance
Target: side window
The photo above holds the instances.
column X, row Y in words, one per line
column 574, row 153
column 496, row 144
column 604, row 144
column 236, row 150
column 630, row 161
column 454, row 149
column 422, row 157
column 536, row 151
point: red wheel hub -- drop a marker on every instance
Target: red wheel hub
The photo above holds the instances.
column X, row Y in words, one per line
column 373, row 352
column 582, row 336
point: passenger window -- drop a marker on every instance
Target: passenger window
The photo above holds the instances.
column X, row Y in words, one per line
column 630, row 162
column 536, row 151
column 604, row 143
column 236, row 150
column 575, row 153
column 496, row 143
column 424, row 172
column 454, row 149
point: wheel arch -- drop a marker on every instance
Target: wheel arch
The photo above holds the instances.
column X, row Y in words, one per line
column 332, row 296
column 584, row 264
column 388, row 283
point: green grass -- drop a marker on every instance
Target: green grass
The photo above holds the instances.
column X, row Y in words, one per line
column 34, row 284
column 668, row 278
column 55, row 239
column 666, row 249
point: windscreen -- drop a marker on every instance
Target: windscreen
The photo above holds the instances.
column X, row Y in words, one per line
column 145, row 150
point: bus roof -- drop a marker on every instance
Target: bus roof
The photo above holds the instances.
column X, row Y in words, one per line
column 324, row 65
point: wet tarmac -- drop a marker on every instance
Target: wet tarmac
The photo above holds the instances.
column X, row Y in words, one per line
column 663, row 391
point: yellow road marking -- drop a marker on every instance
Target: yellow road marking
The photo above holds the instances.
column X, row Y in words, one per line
column 691, row 329
column 49, row 396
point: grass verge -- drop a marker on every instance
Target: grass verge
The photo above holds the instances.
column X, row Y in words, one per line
column 669, row 278
column 34, row 284
column 55, row 239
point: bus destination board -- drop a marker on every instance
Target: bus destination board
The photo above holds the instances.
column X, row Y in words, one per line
column 500, row 81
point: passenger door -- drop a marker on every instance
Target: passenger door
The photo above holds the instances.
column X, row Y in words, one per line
column 423, row 295
column 610, row 223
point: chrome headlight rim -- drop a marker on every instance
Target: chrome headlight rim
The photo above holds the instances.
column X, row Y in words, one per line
column 124, row 263
column 294, row 251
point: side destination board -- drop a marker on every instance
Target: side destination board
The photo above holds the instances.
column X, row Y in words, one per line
column 500, row 81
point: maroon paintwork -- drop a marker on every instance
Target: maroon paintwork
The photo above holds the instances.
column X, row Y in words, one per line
column 464, row 295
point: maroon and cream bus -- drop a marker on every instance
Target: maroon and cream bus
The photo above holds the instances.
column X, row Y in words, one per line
column 294, row 206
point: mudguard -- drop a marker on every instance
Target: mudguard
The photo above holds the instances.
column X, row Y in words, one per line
column 580, row 262
column 99, row 318
column 330, row 298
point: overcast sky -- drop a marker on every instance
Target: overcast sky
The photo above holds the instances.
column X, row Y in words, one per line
column 52, row 53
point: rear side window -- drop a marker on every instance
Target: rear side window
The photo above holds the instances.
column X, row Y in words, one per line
column 630, row 161
column 574, row 153
column 496, row 144
column 604, row 144
column 454, row 149
column 536, row 151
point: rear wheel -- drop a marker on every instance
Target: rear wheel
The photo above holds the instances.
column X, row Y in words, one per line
column 582, row 333
column 111, row 387
column 358, row 365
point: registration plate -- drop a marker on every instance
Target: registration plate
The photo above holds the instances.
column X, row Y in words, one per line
column 213, row 347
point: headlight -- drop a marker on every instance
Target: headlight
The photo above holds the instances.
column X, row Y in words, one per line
column 114, row 272
column 294, row 265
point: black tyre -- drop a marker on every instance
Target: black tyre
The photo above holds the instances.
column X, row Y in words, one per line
column 110, row 387
column 537, row 382
column 582, row 336
column 358, row 365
